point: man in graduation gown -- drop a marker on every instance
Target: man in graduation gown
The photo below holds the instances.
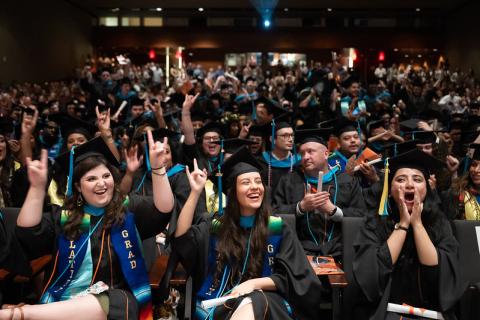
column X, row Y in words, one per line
column 280, row 161
column 349, row 143
column 318, row 214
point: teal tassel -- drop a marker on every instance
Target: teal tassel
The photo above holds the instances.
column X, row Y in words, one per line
column 70, row 173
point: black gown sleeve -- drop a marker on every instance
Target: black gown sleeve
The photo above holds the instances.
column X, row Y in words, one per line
column 282, row 196
column 148, row 219
column 351, row 197
column 295, row 279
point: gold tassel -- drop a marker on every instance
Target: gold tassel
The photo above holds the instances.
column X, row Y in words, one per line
column 382, row 210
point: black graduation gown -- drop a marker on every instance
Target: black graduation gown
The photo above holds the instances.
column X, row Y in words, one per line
column 41, row 239
column 408, row 281
column 276, row 173
column 291, row 190
column 292, row 274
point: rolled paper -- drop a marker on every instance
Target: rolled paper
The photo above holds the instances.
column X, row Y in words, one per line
column 207, row 304
column 406, row 309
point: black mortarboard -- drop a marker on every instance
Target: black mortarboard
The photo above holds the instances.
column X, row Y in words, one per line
column 6, row 125
column 410, row 124
column 69, row 125
column 197, row 115
column 137, row 102
column 239, row 163
column 395, row 149
column 142, row 120
column 259, row 131
column 234, row 144
column 414, row 159
column 94, row 147
column 271, row 106
column 312, row 135
column 476, row 151
column 161, row 133
column 424, row 136
column 375, row 124
column 344, row 125
column 210, row 127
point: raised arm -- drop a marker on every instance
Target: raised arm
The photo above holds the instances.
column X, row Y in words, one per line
column 103, row 124
column 31, row 211
column 187, row 126
column 197, row 180
column 162, row 192
column 28, row 125
column 133, row 164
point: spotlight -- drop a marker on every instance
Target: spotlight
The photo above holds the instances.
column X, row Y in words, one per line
column 200, row 9
column 159, row 9
column 418, row 9
column 329, row 9
column 266, row 23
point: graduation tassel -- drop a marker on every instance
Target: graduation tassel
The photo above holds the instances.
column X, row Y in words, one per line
column 271, row 151
column 254, row 111
column 147, row 156
column 382, row 210
column 70, row 173
column 219, row 179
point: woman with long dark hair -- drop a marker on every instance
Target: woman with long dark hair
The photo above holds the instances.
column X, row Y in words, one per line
column 462, row 200
column 246, row 253
column 407, row 253
column 98, row 270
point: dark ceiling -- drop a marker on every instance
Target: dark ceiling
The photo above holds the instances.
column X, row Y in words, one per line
column 188, row 7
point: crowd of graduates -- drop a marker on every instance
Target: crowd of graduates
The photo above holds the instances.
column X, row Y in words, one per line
column 104, row 164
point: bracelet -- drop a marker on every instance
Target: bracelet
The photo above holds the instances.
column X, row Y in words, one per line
column 159, row 174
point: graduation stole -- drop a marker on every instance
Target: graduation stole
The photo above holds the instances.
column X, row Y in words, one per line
column 338, row 158
column 175, row 169
column 288, row 162
column 471, row 202
column 127, row 246
column 209, row 290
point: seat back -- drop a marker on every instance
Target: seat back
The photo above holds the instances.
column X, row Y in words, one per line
column 352, row 293
column 14, row 259
column 468, row 237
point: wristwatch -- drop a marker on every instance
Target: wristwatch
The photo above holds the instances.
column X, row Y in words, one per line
column 398, row 226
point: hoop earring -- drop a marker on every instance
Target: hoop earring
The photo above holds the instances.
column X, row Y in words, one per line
column 80, row 200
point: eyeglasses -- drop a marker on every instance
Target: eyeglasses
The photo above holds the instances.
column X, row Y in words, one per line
column 211, row 139
column 286, row 136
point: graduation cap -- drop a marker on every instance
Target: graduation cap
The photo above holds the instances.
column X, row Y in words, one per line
column 211, row 127
column 344, row 125
column 69, row 125
column 6, row 125
column 476, row 151
column 233, row 145
column 136, row 101
column 239, row 163
column 197, row 115
column 312, row 135
column 375, row 124
column 424, row 136
column 414, row 159
column 159, row 134
column 94, row 147
column 271, row 106
column 395, row 149
column 410, row 124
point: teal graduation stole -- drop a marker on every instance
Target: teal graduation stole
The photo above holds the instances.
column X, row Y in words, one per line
column 288, row 162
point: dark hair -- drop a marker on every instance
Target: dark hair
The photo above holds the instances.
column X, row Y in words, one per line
column 6, row 174
column 114, row 211
column 432, row 214
column 232, row 239
column 82, row 131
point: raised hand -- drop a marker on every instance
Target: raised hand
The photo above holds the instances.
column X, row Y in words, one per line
column 133, row 162
column 189, row 101
column 103, row 120
column 156, row 150
column 197, row 178
column 452, row 164
column 416, row 216
column 245, row 130
column 38, row 170
column 29, row 122
column 404, row 214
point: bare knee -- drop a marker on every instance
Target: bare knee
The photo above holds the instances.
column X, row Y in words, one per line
column 244, row 312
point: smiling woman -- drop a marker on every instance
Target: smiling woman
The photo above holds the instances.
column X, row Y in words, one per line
column 247, row 254
column 99, row 271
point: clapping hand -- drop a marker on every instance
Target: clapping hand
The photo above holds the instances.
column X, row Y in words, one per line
column 197, row 178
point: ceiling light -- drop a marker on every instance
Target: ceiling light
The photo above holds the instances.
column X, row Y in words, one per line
column 159, row 9
column 419, row 56
column 285, row 9
column 329, row 9
column 395, row 49
column 418, row 9
column 435, row 50
column 115, row 9
column 406, row 56
column 266, row 23
column 201, row 9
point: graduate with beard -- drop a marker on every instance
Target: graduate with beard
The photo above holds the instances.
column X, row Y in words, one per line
column 407, row 253
column 318, row 213
column 246, row 252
